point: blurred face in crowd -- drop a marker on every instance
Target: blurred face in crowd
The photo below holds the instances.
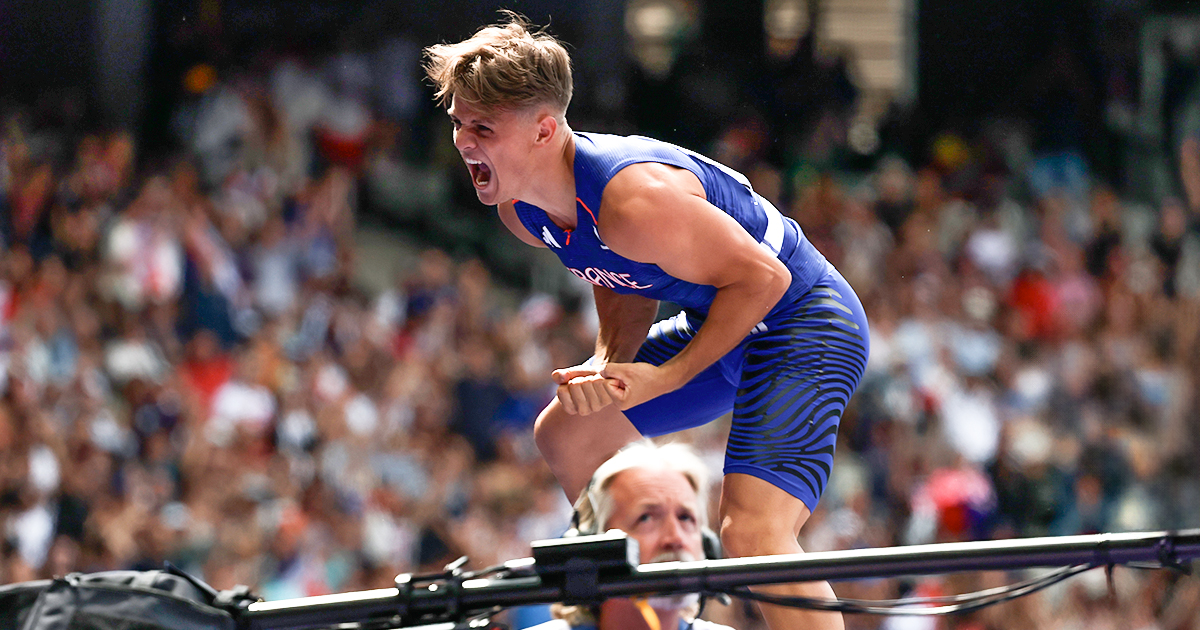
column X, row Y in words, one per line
column 500, row 147
column 1172, row 220
column 659, row 509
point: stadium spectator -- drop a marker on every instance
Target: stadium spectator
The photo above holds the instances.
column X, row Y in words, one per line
column 657, row 495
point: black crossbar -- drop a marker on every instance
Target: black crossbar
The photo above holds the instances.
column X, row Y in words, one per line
column 405, row 606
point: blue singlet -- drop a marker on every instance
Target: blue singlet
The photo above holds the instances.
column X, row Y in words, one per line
column 788, row 382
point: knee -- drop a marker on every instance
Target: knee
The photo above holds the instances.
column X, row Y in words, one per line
column 744, row 534
column 549, row 427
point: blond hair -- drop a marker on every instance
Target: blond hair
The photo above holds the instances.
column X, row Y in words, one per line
column 504, row 66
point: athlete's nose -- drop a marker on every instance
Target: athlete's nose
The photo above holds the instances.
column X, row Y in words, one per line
column 464, row 140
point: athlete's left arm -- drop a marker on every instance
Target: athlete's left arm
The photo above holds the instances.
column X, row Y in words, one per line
column 658, row 214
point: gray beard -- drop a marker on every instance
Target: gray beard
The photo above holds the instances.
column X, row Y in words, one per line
column 668, row 603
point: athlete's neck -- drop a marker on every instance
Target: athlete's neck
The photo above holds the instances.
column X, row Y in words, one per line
column 553, row 189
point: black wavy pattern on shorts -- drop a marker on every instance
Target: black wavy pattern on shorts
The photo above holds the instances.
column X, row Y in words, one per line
column 791, row 429
column 659, row 347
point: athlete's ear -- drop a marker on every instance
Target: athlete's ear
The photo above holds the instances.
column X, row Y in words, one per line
column 547, row 126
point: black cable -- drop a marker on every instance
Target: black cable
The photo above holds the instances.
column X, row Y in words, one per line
column 513, row 568
column 958, row 603
column 474, row 575
column 998, row 591
column 966, row 602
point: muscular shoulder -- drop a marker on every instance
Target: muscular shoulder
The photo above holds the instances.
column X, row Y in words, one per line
column 645, row 203
column 649, row 183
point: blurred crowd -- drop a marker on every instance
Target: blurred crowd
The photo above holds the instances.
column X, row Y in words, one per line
column 192, row 373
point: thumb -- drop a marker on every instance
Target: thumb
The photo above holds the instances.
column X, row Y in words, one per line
column 614, row 375
column 613, row 370
column 562, row 375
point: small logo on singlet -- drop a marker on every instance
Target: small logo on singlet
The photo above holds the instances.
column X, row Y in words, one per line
column 549, row 238
column 608, row 279
column 597, row 233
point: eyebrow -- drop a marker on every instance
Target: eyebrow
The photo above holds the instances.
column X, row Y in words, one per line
column 646, row 505
column 477, row 121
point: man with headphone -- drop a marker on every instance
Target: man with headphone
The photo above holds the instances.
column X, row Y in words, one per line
column 658, row 496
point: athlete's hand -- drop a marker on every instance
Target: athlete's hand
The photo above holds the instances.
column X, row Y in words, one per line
column 639, row 382
column 582, row 390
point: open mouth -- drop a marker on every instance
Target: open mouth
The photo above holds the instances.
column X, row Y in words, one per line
column 480, row 173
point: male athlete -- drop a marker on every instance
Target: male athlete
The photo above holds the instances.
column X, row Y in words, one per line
column 769, row 329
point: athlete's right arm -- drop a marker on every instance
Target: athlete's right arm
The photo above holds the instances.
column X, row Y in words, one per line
column 508, row 214
column 624, row 321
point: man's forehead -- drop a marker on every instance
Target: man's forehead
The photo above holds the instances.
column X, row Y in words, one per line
column 471, row 111
column 468, row 109
column 649, row 486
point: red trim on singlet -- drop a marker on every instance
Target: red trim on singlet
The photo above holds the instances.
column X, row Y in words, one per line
column 589, row 210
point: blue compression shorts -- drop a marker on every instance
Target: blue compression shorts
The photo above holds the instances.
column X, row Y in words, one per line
column 787, row 387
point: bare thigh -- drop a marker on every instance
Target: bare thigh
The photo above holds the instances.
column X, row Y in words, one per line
column 575, row 446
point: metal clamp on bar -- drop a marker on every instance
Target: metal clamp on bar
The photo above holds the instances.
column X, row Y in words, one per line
column 577, row 564
column 1169, row 559
column 404, row 591
column 1103, row 557
column 453, row 586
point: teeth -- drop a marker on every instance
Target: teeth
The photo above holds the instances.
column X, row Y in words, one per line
column 470, row 161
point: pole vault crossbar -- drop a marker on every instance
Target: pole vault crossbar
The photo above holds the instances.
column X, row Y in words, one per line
column 584, row 570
